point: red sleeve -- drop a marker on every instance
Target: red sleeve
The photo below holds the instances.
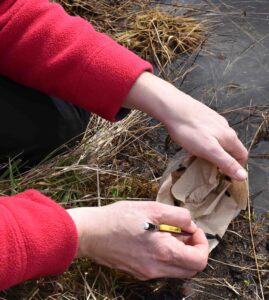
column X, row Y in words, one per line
column 41, row 46
column 37, row 238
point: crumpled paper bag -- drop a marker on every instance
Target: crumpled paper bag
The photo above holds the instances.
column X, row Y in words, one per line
column 212, row 198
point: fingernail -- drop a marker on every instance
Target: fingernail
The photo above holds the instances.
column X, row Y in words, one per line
column 241, row 174
column 193, row 224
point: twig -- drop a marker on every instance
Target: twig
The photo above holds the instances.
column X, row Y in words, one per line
column 252, row 239
column 231, row 287
column 249, row 212
column 98, row 188
column 236, row 266
column 256, row 134
column 87, row 286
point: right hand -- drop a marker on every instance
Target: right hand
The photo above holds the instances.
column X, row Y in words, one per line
column 191, row 124
column 114, row 236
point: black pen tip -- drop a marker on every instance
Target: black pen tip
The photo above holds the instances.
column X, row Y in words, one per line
column 211, row 236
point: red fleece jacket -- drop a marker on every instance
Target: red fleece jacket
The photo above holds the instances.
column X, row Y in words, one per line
column 44, row 48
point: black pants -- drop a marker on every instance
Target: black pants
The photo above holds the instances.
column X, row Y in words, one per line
column 33, row 125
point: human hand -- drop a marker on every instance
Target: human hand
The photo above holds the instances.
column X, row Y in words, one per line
column 191, row 124
column 114, row 236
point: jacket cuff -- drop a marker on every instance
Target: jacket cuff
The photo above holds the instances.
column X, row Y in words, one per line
column 40, row 238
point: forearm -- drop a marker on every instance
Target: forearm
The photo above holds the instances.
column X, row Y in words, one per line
column 156, row 97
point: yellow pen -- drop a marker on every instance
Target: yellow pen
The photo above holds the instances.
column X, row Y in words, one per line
column 175, row 230
column 165, row 228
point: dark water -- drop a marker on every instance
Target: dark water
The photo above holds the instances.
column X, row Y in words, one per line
column 232, row 71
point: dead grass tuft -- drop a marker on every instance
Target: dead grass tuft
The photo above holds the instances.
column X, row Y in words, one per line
column 160, row 37
column 108, row 165
column 152, row 33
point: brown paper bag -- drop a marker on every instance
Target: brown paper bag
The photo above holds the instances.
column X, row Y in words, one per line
column 213, row 199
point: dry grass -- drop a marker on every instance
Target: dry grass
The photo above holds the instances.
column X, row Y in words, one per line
column 107, row 166
column 152, row 33
column 113, row 162
column 160, row 37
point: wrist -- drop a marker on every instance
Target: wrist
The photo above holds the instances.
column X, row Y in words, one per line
column 87, row 221
column 156, row 97
column 77, row 215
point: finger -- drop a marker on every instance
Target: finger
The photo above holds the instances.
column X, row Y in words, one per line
column 161, row 270
column 185, row 239
column 192, row 257
column 218, row 156
column 197, row 239
column 234, row 147
column 157, row 268
column 176, row 216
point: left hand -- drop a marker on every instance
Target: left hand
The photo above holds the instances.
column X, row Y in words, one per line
column 114, row 236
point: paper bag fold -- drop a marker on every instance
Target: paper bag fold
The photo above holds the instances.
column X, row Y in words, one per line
column 213, row 199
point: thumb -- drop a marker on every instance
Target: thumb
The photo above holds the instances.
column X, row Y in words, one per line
column 227, row 164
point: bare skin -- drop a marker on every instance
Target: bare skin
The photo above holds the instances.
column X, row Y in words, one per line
column 191, row 124
column 113, row 235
